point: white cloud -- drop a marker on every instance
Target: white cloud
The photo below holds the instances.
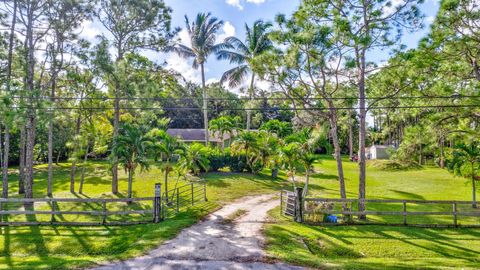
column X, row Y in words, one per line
column 228, row 31
column 212, row 80
column 430, row 19
column 237, row 3
column 183, row 67
column 89, row 31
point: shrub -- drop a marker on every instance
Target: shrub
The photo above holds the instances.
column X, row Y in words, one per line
column 395, row 165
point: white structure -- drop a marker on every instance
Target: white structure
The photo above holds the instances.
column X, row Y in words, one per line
column 377, row 152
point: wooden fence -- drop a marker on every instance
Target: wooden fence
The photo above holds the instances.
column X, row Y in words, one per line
column 422, row 213
column 98, row 211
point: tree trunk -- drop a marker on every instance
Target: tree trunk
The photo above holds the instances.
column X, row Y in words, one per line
column 250, row 97
column 205, row 105
column 116, row 122
column 21, row 169
column 350, row 137
column 58, row 157
column 307, row 182
column 50, row 156
column 337, row 150
column 6, row 146
column 31, row 113
column 166, row 184
column 130, row 182
column 82, row 179
column 474, row 188
column 74, row 161
column 362, row 135
column 442, row 153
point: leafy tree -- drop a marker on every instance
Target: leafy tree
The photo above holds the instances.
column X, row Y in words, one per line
column 246, row 143
column 194, row 159
column 202, row 33
column 130, row 149
column 221, row 126
column 164, row 148
column 134, row 25
column 465, row 161
column 289, row 154
column 242, row 54
column 281, row 129
column 360, row 26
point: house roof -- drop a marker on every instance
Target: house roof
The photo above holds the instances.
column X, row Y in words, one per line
column 195, row 135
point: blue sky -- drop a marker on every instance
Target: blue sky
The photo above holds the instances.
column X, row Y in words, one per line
column 235, row 13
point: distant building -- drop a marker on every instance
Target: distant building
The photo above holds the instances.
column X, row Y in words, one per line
column 198, row 136
column 377, row 152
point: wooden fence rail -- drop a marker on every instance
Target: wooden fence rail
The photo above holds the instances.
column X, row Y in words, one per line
column 301, row 209
column 149, row 209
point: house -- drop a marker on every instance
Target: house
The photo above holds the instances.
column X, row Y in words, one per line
column 377, row 152
column 198, row 136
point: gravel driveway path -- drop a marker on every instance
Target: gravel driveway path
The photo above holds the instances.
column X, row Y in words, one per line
column 214, row 243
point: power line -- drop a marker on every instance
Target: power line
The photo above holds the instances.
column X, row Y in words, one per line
column 242, row 98
column 252, row 109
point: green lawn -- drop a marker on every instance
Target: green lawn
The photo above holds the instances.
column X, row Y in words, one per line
column 63, row 247
column 357, row 247
column 380, row 247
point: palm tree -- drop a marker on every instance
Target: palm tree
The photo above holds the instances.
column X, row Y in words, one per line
column 307, row 159
column 130, row 149
column 246, row 143
column 290, row 157
column 268, row 145
column 203, row 34
column 194, row 159
column 465, row 162
column 164, row 148
column 242, row 54
column 222, row 125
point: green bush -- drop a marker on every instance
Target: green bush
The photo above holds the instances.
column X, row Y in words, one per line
column 394, row 165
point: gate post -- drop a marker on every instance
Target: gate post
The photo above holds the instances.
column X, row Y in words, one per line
column 157, row 209
column 298, row 204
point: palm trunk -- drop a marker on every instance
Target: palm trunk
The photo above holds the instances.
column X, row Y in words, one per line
column 205, row 104
column 474, row 188
column 130, row 182
column 166, row 184
column 250, row 97
column 307, row 182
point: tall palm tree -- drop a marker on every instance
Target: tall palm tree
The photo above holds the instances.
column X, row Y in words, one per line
column 466, row 162
column 242, row 54
column 130, row 149
column 203, row 34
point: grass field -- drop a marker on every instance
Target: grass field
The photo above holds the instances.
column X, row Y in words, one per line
column 356, row 247
column 63, row 247
column 380, row 247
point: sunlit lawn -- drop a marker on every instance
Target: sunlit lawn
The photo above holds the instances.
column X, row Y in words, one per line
column 381, row 247
column 63, row 247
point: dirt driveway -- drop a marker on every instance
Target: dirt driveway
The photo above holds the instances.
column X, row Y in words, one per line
column 215, row 243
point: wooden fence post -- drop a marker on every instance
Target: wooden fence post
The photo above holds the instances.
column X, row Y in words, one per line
column 52, row 218
column 158, row 203
column 298, row 204
column 404, row 213
column 104, row 209
column 455, row 215
column 281, row 202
